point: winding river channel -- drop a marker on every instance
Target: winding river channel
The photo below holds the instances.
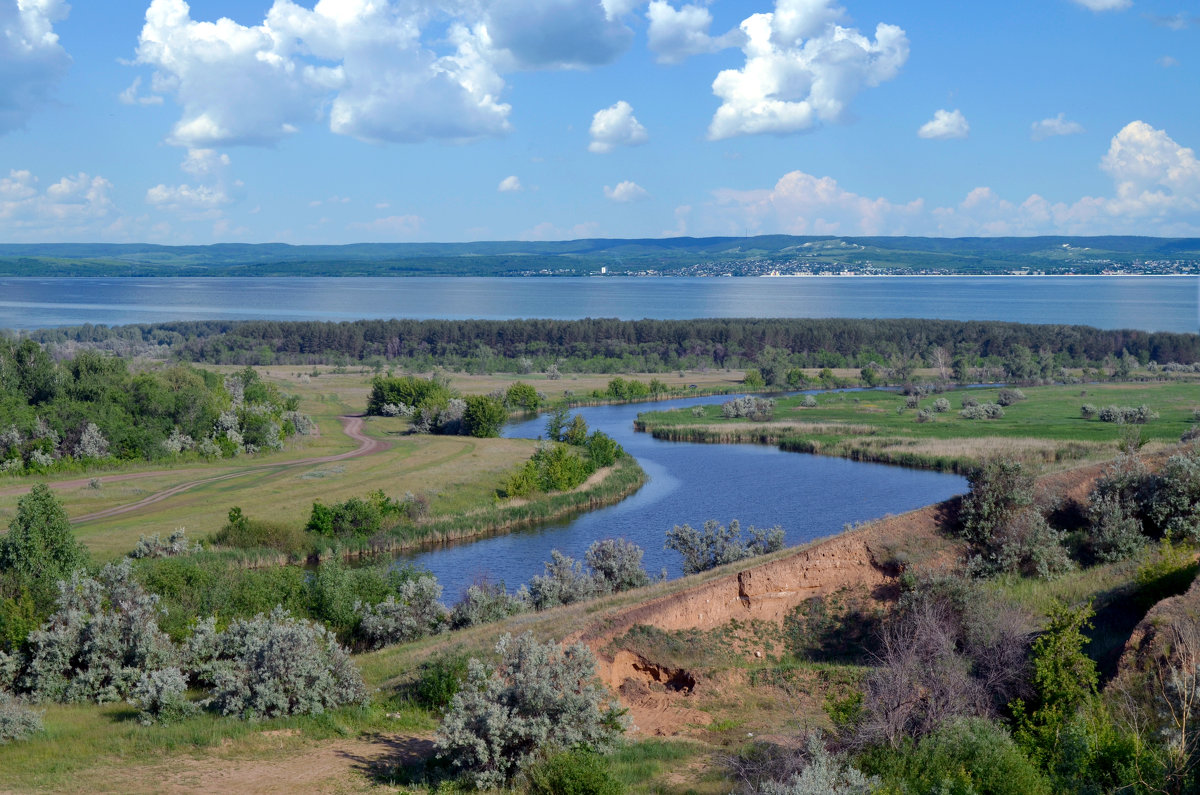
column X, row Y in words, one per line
column 809, row 496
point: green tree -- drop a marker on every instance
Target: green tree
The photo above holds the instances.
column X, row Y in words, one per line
column 555, row 423
column 483, row 416
column 40, row 548
column 1063, row 679
column 576, row 433
column 521, row 395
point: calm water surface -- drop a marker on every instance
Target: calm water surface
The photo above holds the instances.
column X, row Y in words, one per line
column 1152, row 303
column 810, row 496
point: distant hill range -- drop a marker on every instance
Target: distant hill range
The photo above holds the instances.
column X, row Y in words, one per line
column 679, row 256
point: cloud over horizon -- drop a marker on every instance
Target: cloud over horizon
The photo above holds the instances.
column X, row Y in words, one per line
column 1156, row 190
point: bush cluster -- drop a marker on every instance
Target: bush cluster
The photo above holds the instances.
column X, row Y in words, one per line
column 1008, row 397
column 1127, row 415
column 484, row 603
column 18, row 721
column 717, row 545
column 985, row 411
column 275, row 665
column 612, row 565
column 436, row 408
column 157, row 547
column 753, row 408
column 413, row 612
column 1129, row 505
column 59, row 416
column 1006, row 531
column 98, row 643
column 565, row 461
column 538, row 699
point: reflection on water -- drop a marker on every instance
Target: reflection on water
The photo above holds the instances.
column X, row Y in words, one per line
column 1150, row 303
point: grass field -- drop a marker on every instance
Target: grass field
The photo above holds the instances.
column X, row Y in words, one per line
column 1045, row 428
column 459, row 474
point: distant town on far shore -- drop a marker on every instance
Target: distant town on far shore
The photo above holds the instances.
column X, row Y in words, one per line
column 765, row 255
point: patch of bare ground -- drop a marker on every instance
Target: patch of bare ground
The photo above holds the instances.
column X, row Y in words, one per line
column 278, row 764
column 865, row 561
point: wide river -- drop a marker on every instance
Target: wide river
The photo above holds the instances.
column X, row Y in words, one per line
column 1151, row 303
column 809, row 496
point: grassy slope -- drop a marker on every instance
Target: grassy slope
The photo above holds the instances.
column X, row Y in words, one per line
column 104, row 749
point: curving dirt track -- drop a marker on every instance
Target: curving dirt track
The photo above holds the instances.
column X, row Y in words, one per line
column 351, row 425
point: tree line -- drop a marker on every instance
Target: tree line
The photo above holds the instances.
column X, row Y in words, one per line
column 611, row 345
column 58, row 415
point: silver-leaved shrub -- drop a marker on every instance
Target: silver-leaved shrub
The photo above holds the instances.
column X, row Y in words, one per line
column 172, row 546
column 275, row 665
column 17, row 720
column 414, row 612
column 485, row 603
column 162, row 697
column 99, row 642
column 539, row 698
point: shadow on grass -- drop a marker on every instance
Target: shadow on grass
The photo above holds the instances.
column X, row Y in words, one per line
column 400, row 761
column 1119, row 610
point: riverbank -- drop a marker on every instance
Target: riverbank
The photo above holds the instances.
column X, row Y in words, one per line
column 1045, row 426
column 606, row 487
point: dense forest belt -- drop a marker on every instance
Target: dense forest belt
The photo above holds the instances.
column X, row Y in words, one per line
column 352, row 425
column 611, row 345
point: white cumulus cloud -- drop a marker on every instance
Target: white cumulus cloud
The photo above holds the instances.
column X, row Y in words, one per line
column 541, row 34
column 802, row 68
column 676, row 33
column 548, row 231
column 509, row 184
column 804, row 204
column 1151, row 171
column 1057, row 125
column 204, row 200
column 32, row 60
column 616, row 126
column 945, row 125
column 362, row 63
column 626, row 191
column 75, row 207
column 132, row 95
column 1104, row 5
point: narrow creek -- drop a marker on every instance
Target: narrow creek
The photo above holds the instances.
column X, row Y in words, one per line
column 809, row 496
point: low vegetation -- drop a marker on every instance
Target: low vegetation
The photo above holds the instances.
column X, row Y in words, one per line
column 1043, row 426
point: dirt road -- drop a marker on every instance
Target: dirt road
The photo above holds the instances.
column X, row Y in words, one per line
column 351, row 425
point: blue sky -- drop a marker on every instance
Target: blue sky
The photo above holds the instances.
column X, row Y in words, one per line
column 404, row 120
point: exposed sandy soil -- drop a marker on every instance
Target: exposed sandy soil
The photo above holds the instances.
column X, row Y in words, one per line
column 866, row 560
